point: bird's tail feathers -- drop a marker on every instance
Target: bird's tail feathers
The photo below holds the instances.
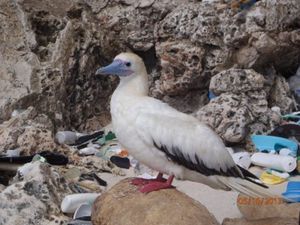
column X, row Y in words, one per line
column 246, row 187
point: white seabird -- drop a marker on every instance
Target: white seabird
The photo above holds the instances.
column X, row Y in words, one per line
column 167, row 140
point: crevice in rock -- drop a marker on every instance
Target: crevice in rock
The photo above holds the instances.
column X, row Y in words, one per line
column 46, row 28
column 149, row 58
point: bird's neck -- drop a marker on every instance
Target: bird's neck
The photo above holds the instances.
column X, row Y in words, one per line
column 136, row 85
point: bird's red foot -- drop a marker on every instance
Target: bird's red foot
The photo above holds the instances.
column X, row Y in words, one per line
column 156, row 185
column 142, row 181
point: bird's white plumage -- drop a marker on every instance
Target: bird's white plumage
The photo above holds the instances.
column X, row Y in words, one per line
column 140, row 122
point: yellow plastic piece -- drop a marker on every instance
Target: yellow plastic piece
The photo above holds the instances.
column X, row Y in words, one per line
column 270, row 178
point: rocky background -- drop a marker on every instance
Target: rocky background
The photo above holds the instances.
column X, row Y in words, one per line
column 51, row 49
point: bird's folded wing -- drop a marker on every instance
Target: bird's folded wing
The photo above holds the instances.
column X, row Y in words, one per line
column 185, row 141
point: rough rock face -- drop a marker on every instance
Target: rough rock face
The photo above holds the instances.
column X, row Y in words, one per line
column 124, row 205
column 51, row 49
column 241, row 105
column 28, row 131
column 34, row 199
column 49, row 61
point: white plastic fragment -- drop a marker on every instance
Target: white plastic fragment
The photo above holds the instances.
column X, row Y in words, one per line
column 83, row 210
column 71, row 202
column 13, row 153
column 88, row 151
column 285, row 151
column 283, row 175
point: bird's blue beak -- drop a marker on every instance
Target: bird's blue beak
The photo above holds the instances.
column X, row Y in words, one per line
column 117, row 67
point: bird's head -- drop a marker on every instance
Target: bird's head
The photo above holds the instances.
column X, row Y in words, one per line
column 124, row 65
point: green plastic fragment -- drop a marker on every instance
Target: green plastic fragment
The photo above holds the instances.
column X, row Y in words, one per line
column 110, row 136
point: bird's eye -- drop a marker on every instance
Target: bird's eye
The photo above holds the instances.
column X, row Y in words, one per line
column 128, row 64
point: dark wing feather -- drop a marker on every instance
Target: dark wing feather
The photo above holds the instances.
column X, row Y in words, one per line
column 185, row 160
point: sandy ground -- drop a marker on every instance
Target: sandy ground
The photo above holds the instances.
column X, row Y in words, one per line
column 222, row 204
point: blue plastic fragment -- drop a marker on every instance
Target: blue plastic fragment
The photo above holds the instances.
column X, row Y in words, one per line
column 211, row 95
column 292, row 191
column 269, row 143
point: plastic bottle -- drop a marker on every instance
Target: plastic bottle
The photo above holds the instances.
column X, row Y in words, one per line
column 67, row 137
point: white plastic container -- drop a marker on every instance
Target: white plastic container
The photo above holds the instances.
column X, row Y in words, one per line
column 274, row 161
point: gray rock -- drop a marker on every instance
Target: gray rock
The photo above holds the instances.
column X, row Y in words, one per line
column 29, row 131
column 34, row 199
column 236, row 81
column 241, row 108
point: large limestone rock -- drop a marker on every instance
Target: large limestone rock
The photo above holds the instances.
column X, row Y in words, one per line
column 124, row 205
column 49, row 52
column 241, row 105
column 34, row 198
column 28, row 131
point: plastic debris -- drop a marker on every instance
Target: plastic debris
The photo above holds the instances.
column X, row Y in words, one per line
column 67, row 137
column 27, row 168
column 120, row 162
column 82, row 215
column 75, row 138
column 298, row 164
column 286, row 152
column 268, row 178
column 13, row 153
column 292, row 191
column 295, row 116
column 85, row 138
column 99, row 180
column 88, row 151
column 268, row 143
column 283, row 175
column 147, row 176
column 242, row 4
column 274, row 161
column 51, row 157
column 110, row 136
column 83, row 211
column 71, row 202
column 211, row 95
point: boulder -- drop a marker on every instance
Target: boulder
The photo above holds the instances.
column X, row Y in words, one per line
column 29, row 131
column 123, row 204
column 34, row 198
column 241, row 106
